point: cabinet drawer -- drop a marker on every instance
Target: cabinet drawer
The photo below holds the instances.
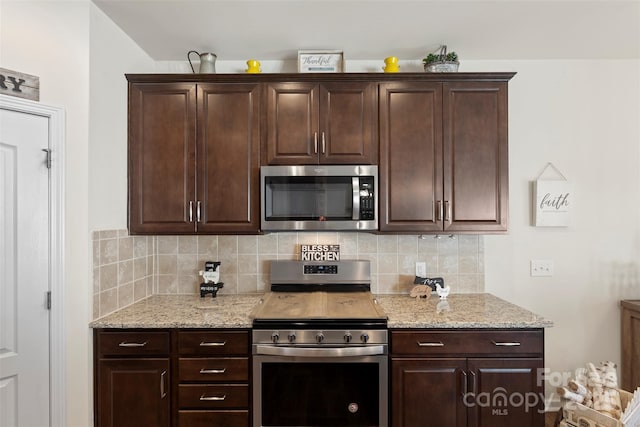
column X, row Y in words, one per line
column 209, row 396
column 213, row 418
column 124, row 343
column 214, row 369
column 467, row 342
column 213, row 343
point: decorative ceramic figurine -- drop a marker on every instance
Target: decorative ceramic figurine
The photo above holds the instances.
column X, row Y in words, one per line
column 253, row 66
column 442, row 292
column 391, row 65
column 420, row 291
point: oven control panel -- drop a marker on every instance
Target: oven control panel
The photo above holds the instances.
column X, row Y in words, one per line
column 331, row 337
column 321, row 269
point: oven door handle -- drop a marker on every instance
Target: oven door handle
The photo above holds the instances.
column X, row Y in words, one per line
column 372, row 350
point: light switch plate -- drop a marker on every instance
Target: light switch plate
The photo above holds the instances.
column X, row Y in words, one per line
column 541, row 268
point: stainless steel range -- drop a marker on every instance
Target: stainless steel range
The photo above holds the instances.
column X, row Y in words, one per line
column 320, row 348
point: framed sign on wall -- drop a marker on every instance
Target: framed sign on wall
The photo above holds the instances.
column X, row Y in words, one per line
column 552, row 198
column 320, row 61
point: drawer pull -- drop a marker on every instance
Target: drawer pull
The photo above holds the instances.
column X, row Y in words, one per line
column 163, row 392
column 212, row 398
column 430, row 344
column 506, row 344
column 212, row 344
column 132, row 344
column 213, row 371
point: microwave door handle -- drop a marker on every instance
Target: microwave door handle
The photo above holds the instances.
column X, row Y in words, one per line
column 355, row 183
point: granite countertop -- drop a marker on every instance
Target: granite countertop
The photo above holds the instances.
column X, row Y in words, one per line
column 458, row 311
column 232, row 311
column 183, row 311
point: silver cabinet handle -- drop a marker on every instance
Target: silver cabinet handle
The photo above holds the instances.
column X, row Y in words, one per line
column 163, row 393
column 447, row 211
column 212, row 344
column 323, row 143
column 474, row 384
column 214, row 398
column 198, row 210
column 465, row 384
column 213, row 371
column 190, row 211
column 132, row 344
column 430, row 344
column 506, row 344
column 315, row 142
column 439, row 210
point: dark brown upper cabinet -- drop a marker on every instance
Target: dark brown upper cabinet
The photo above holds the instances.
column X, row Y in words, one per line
column 330, row 122
column 444, row 156
column 194, row 157
column 196, row 143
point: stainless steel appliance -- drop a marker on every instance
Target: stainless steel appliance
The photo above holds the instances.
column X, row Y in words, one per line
column 320, row 197
column 320, row 348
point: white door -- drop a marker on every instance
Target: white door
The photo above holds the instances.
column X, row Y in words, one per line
column 24, row 270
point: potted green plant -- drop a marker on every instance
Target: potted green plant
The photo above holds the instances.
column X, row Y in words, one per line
column 441, row 62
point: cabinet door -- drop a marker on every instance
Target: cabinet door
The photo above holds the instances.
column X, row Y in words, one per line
column 506, row 393
column 630, row 344
column 475, row 156
column 410, row 157
column 428, row 392
column 162, row 136
column 347, row 123
column 292, row 124
column 228, row 158
column 132, row 393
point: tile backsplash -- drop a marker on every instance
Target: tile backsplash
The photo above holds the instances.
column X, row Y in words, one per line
column 127, row 268
column 123, row 269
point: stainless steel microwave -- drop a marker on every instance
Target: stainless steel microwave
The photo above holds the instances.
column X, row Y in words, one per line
column 322, row 197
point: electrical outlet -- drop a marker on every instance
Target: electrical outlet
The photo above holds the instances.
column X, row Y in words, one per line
column 541, row 267
column 421, row 269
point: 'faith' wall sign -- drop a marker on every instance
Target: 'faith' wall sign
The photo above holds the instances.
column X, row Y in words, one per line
column 18, row 84
column 552, row 198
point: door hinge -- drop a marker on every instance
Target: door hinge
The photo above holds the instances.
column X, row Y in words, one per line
column 48, row 300
column 48, row 160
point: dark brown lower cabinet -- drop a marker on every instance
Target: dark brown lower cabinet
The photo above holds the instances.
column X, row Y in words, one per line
column 133, row 393
column 467, row 378
column 171, row 377
column 229, row 418
column 427, row 392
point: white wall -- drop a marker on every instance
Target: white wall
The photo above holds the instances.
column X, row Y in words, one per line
column 55, row 46
column 583, row 116
column 112, row 54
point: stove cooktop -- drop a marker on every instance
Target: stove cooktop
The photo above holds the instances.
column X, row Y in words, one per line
column 315, row 307
column 313, row 294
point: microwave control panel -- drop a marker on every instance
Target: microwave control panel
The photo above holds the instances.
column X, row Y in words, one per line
column 367, row 201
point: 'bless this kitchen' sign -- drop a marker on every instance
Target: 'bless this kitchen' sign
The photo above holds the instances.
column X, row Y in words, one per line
column 320, row 252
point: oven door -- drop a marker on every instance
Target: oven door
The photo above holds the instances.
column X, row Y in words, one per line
column 322, row 388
